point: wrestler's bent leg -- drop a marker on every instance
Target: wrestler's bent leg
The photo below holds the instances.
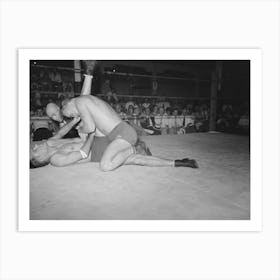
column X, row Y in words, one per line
column 116, row 154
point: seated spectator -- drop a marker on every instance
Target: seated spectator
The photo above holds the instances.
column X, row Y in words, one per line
column 133, row 118
column 56, row 81
column 34, row 85
column 136, row 116
column 67, row 86
column 129, row 103
column 146, row 103
column 205, row 118
column 161, row 121
column 188, row 120
column 119, row 110
column 189, row 108
column 147, row 121
column 40, row 126
column 45, row 81
column 221, row 123
column 198, row 121
column 244, row 122
column 155, row 110
column 129, row 112
column 36, row 102
column 106, row 87
column 163, row 103
column 175, row 122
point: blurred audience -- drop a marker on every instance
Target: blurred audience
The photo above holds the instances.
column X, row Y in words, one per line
column 149, row 116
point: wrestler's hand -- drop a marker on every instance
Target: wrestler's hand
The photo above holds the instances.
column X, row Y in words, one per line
column 76, row 120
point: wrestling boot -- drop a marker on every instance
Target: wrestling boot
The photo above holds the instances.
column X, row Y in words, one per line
column 186, row 162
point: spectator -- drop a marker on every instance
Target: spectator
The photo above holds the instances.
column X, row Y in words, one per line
column 175, row 122
column 106, row 87
column 129, row 112
column 148, row 122
column 119, row 110
column 45, row 81
column 40, row 126
column 67, row 86
column 129, row 103
column 163, row 103
column 161, row 121
column 198, row 121
column 155, row 110
column 244, row 122
column 188, row 120
column 146, row 103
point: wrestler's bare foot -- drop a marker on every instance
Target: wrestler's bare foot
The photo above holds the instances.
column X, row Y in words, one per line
column 89, row 66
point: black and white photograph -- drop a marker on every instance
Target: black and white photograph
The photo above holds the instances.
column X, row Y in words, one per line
column 139, row 139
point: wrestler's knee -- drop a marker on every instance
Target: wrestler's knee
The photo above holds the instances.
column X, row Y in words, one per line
column 106, row 165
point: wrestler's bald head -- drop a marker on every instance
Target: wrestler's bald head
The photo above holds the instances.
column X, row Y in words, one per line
column 53, row 112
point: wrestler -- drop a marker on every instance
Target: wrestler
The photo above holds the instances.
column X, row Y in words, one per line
column 53, row 111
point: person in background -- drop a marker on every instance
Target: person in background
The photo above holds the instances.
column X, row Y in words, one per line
column 161, row 121
column 154, row 111
column 129, row 113
column 146, row 103
column 121, row 113
column 198, row 122
column 163, row 103
column 175, row 122
column 45, row 81
column 147, row 121
column 40, row 126
column 106, row 87
column 133, row 119
column 188, row 120
column 244, row 122
column 129, row 103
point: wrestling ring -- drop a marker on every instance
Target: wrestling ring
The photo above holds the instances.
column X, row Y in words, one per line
column 218, row 190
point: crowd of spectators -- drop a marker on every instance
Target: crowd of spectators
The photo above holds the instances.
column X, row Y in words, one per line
column 50, row 80
column 149, row 116
column 158, row 116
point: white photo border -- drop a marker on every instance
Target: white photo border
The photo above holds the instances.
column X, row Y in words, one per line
column 255, row 222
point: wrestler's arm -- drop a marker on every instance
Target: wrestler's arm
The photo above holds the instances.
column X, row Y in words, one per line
column 65, row 129
column 54, row 142
column 87, row 124
column 86, row 89
column 59, row 159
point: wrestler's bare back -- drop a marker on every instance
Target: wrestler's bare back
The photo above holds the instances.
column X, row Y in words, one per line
column 97, row 112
